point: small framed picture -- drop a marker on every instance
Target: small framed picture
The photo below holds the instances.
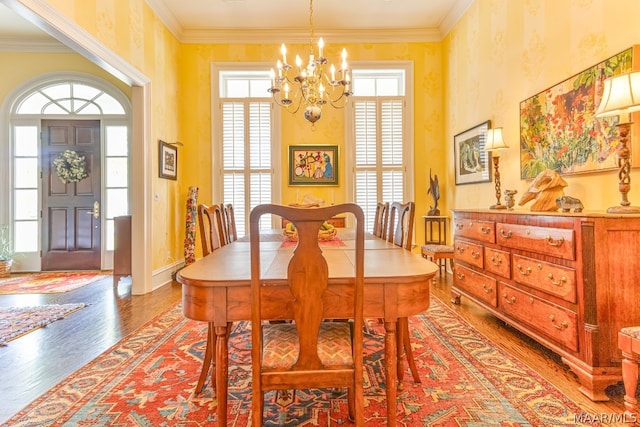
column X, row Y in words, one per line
column 168, row 156
column 471, row 161
column 313, row 165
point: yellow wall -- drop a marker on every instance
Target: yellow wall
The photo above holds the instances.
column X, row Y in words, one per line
column 131, row 30
column 18, row 68
column 195, row 114
column 504, row 51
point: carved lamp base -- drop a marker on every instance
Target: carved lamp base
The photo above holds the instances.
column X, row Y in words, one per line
column 497, row 207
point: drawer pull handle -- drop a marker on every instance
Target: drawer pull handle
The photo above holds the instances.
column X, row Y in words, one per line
column 560, row 282
column 505, row 235
column 487, row 289
column 524, row 272
column 475, row 254
column 556, row 242
column 508, row 300
column 496, row 260
column 459, row 226
column 563, row 325
column 460, row 275
column 460, row 249
column 485, row 230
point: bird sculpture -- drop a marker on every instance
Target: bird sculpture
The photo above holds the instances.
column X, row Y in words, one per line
column 545, row 189
column 434, row 190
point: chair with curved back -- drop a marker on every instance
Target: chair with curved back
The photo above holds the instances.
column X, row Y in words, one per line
column 308, row 353
column 381, row 221
column 401, row 219
column 211, row 225
column 230, row 223
column 212, row 237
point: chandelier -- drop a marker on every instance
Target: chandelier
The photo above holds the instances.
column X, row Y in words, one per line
column 311, row 87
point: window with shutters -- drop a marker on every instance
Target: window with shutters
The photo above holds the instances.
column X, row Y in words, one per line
column 244, row 143
column 382, row 144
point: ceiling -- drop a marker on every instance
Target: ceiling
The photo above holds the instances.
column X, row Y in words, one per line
column 246, row 21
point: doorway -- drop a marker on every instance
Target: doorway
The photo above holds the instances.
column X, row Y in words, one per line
column 59, row 223
column 70, row 153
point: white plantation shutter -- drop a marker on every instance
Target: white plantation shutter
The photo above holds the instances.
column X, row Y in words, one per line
column 379, row 164
column 246, row 157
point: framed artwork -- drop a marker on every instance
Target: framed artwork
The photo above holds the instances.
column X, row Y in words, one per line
column 558, row 127
column 313, row 165
column 471, row 161
column 168, row 157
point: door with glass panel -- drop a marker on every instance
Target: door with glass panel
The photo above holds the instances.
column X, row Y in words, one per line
column 71, row 204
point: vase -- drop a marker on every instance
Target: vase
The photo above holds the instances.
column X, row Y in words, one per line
column 5, row 267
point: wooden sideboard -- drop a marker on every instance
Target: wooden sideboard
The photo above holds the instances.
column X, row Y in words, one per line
column 570, row 281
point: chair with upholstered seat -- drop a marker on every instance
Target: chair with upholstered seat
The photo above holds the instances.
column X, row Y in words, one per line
column 212, row 237
column 309, row 352
column 401, row 219
column 629, row 343
column 439, row 254
column 381, row 221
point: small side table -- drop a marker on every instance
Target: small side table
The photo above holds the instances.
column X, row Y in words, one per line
column 435, row 230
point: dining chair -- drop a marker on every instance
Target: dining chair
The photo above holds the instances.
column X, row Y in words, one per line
column 381, row 221
column 212, row 232
column 211, row 226
column 230, row 223
column 310, row 352
column 401, row 219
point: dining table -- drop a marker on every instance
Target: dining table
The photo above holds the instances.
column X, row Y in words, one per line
column 216, row 289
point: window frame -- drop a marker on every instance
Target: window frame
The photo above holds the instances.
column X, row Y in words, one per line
column 407, row 128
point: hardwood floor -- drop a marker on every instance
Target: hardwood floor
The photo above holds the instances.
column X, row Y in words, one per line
column 32, row 364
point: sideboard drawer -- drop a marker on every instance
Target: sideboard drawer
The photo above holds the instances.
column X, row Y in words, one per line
column 550, row 278
column 481, row 230
column 556, row 322
column 470, row 253
column 498, row 262
column 482, row 287
column 558, row 242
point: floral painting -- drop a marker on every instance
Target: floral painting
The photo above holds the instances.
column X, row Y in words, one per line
column 313, row 165
column 558, row 129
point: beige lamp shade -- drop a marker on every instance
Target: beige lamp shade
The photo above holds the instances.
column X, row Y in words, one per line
column 621, row 96
column 495, row 141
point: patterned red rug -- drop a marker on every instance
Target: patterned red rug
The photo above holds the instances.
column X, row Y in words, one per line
column 147, row 380
column 17, row 321
column 50, row 282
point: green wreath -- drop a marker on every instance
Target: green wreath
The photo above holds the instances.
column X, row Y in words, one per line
column 70, row 167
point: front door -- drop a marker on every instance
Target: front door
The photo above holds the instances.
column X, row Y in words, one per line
column 71, row 211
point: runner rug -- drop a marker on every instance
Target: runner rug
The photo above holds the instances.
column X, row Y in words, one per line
column 50, row 282
column 17, row 321
column 147, row 379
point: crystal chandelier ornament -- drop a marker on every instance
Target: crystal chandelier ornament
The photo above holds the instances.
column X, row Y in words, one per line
column 311, row 87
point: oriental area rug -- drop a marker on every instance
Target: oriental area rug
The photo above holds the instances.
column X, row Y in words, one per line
column 17, row 321
column 50, row 282
column 147, row 379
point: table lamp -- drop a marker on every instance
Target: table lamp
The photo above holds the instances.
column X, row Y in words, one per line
column 494, row 143
column 620, row 97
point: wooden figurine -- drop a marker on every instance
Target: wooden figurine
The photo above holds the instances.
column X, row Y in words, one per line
column 546, row 188
column 509, row 198
column 434, row 190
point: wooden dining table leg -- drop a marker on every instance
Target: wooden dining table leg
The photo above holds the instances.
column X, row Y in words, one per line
column 208, row 357
column 390, row 362
column 222, row 372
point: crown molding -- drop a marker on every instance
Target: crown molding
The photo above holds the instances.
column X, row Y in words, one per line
column 167, row 18
column 458, row 10
column 40, row 45
column 300, row 35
